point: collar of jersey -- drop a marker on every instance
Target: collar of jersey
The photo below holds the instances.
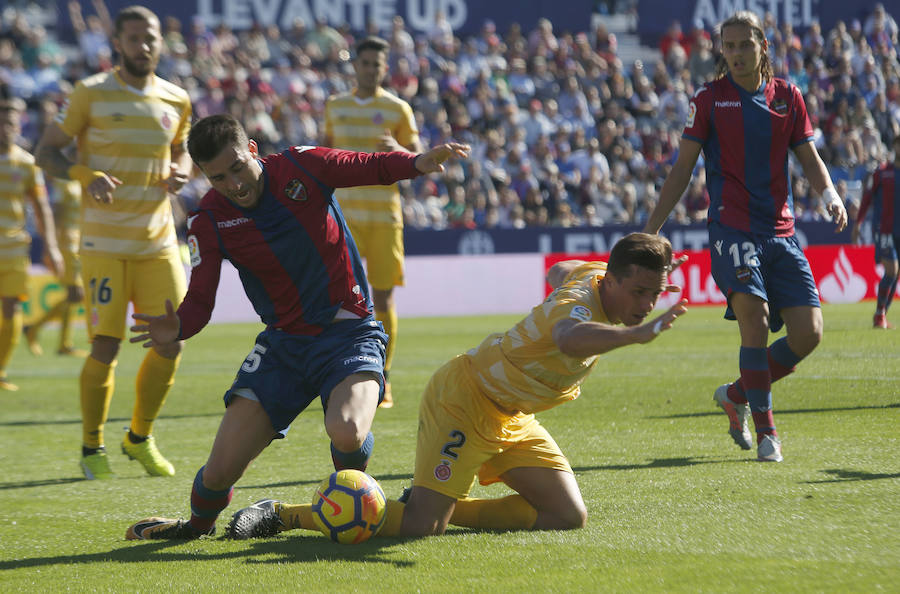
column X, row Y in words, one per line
column 378, row 93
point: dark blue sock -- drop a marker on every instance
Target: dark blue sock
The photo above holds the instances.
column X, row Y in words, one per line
column 357, row 460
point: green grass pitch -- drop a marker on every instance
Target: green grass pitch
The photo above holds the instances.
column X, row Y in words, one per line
column 673, row 505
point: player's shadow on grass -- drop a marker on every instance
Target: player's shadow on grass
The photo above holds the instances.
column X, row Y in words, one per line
column 38, row 423
column 294, row 548
column 41, row 483
column 380, row 477
column 781, row 411
column 656, row 463
column 845, row 476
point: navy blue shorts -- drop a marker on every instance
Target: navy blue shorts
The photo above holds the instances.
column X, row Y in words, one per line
column 885, row 247
column 774, row 269
column 286, row 372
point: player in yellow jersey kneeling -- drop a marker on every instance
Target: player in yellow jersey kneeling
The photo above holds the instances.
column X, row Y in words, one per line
column 477, row 417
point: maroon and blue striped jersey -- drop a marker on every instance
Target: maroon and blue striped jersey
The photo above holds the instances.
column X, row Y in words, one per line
column 745, row 139
column 882, row 197
column 293, row 251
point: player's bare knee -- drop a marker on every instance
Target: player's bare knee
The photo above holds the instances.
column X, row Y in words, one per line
column 346, row 434
column 105, row 349
column 576, row 518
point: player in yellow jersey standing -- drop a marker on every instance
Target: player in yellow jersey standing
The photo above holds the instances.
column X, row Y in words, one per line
column 66, row 212
column 477, row 416
column 371, row 119
column 19, row 179
column 131, row 127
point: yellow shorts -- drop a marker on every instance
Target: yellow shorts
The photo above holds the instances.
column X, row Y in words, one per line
column 111, row 283
column 464, row 435
column 382, row 247
column 14, row 277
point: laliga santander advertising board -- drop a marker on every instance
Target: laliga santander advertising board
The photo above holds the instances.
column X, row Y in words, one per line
column 843, row 273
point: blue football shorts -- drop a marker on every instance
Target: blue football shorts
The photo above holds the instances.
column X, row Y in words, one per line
column 774, row 269
column 885, row 247
column 286, row 372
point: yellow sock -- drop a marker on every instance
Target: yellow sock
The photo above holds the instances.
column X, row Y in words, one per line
column 154, row 378
column 393, row 518
column 507, row 513
column 389, row 320
column 298, row 515
column 97, row 383
column 10, row 332
column 65, row 325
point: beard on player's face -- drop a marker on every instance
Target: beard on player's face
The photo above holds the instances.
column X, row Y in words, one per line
column 139, row 67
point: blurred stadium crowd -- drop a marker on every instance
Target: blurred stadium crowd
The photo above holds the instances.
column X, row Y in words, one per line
column 563, row 132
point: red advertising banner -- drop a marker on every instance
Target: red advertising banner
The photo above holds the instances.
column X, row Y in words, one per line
column 843, row 273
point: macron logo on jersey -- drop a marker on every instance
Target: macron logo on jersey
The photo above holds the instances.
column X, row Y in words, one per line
column 232, row 223
column 728, row 103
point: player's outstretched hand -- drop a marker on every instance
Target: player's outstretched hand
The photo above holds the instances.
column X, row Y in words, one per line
column 650, row 330
column 838, row 215
column 176, row 179
column 157, row 330
column 432, row 161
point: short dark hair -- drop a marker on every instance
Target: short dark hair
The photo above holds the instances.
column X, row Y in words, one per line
column 372, row 42
column 135, row 12
column 8, row 101
column 212, row 134
column 653, row 252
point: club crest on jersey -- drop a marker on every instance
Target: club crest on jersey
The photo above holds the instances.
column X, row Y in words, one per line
column 743, row 274
column 378, row 118
column 780, row 106
column 166, row 121
column 580, row 312
column 296, row 191
column 442, row 471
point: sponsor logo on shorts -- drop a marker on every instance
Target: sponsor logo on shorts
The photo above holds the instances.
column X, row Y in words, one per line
column 362, row 358
column 442, row 471
column 743, row 274
column 232, row 222
column 580, row 312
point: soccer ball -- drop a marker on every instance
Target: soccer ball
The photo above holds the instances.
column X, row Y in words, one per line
column 349, row 506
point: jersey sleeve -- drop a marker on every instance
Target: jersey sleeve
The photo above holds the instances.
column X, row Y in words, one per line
column 407, row 132
column 697, row 125
column 206, row 263
column 344, row 169
column 803, row 129
column 184, row 126
column 75, row 114
column 36, row 186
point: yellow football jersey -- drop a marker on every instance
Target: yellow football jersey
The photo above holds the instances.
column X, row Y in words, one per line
column 523, row 369
column 128, row 133
column 356, row 124
column 19, row 177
